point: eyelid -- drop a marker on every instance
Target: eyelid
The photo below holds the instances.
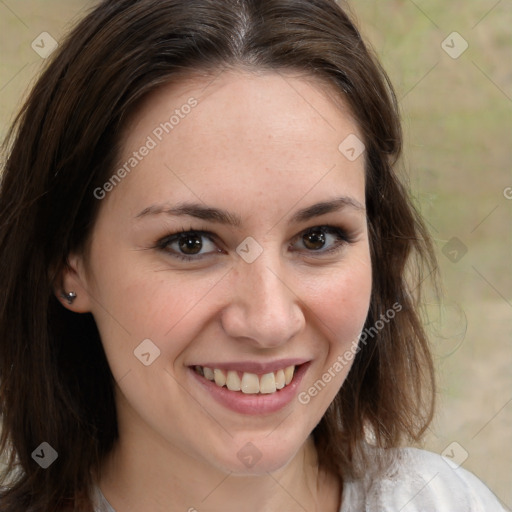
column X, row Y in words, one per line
column 174, row 236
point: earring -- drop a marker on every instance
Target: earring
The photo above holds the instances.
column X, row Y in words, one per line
column 69, row 297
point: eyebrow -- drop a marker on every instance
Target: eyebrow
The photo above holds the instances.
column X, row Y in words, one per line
column 224, row 217
column 325, row 207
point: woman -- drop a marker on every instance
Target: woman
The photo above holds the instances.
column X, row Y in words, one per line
column 207, row 261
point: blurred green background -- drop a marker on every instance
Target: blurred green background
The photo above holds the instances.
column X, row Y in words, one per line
column 457, row 110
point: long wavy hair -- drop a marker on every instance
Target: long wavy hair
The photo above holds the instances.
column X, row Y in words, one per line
column 55, row 382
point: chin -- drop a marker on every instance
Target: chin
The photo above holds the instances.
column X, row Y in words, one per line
column 259, row 455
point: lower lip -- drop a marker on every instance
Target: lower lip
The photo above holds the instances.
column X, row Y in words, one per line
column 253, row 404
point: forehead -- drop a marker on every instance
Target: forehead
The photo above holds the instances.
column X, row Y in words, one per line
column 273, row 101
column 240, row 132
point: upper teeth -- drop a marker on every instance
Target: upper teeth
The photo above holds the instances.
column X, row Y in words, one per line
column 248, row 383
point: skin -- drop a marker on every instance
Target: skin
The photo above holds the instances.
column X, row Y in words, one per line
column 261, row 146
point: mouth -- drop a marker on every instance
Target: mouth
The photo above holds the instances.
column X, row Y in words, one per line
column 251, row 388
column 247, row 382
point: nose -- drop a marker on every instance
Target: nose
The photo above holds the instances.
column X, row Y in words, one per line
column 264, row 309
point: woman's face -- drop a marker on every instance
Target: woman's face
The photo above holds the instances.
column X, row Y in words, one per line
column 231, row 244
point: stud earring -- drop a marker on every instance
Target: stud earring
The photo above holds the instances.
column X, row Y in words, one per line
column 69, row 297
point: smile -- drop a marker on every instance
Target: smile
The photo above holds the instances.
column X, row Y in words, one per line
column 252, row 388
column 246, row 382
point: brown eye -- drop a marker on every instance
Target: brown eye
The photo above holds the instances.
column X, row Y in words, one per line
column 190, row 243
column 321, row 240
column 314, row 240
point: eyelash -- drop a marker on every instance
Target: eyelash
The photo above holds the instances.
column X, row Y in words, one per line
column 343, row 239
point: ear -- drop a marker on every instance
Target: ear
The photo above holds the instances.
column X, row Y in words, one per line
column 72, row 280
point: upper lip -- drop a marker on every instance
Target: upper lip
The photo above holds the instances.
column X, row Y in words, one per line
column 254, row 366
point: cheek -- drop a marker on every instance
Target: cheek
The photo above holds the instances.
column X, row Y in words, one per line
column 339, row 308
column 164, row 303
column 133, row 302
column 340, row 301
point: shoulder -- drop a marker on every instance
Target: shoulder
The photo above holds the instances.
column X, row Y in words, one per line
column 419, row 481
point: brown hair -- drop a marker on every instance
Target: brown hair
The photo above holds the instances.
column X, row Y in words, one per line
column 56, row 385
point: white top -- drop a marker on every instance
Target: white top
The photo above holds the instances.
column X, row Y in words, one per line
column 419, row 481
